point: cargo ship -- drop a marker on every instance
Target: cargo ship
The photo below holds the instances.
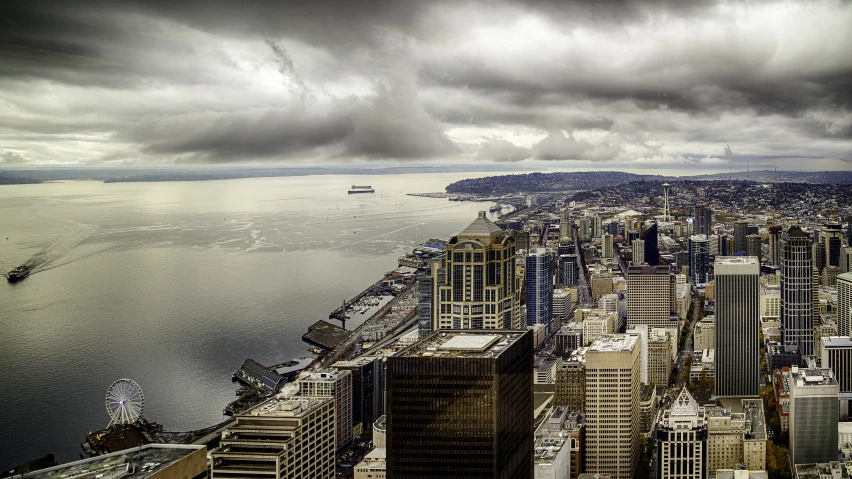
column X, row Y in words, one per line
column 361, row 189
column 18, row 273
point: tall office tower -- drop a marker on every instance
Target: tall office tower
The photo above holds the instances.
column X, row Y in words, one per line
column 726, row 245
column 538, row 282
column 740, row 233
column 814, row 414
column 846, row 260
column 460, row 404
column 368, row 390
column 652, row 248
column 480, row 290
column 714, row 245
column 774, row 245
column 522, row 240
column 337, row 384
column 425, row 318
column 606, row 246
column 703, row 220
column 612, row 406
column 282, row 438
column 613, row 228
column 737, row 326
column 568, row 270
column 649, row 297
column 827, row 246
column 797, row 298
column 638, row 252
column 849, row 230
column 682, row 440
column 699, row 259
column 753, row 246
column 570, row 384
column 844, row 304
column 583, row 226
column 596, row 227
column 564, row 225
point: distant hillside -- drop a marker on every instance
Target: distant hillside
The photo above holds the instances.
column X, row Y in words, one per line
column 816, row 177
column 545, row 182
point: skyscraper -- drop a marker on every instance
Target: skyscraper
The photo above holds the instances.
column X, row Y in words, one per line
column 606, row 246
column 583, row 226
column 814, row 414
column 703, row 220
column 797, row 298
column 737, row 326
column 649, row 297
column 568, row 272
column 425, row 319
column 652, row 248
column 596, row 227
column 460, row 404
column 478, row 288
column 829, row 241
column 538, row 281
column 337, row 384
column 753, row 246
column 682, row 440
column 775, row 245
column 699, row 259
column 368, row 389
column 844, row 304
column 837, row 356
column 612, row 406
column 638, row 252
column 564, row 226
column 740, row 233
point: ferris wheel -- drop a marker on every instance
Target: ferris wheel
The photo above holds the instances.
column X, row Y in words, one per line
column 124, row 402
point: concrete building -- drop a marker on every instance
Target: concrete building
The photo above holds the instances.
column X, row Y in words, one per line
column 736, row 435
column 598, row 323
column 827, row 246
column 781, row 389
column 154, row 461
column 601, row 283
column 570, row 386
column 484, row 431
column 844, row 304
column 475, row 286
column 565, row 225
column 638, row 247
column 569, row 337
column 837, row 356
column 737, row 326
column 374, row 465
column 368, row 390
column 283, row 437
column 753, row 246
column 643, row 333
column 770, row 301
column 704, row 333
column 647, row 408
column 606, row 245
column 703, row 220
column 682, row 440
column 568, row 270
column 824, row 470
column 337, row 384
column 553, row 446
column 659, row 357
column 563, row 304
column 545, row 369
column 814, row 414
column 650, row 297
column 612, row 406
column 797, row 297
column 538, row 283
column 380, row 432
column 703, row 365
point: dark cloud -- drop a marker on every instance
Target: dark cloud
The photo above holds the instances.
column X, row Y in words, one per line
column 612, row 80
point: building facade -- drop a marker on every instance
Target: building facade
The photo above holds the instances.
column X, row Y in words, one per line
column 682, row 440
column 735, row 438
column 475, row 286
column 844, row 304
column 538, row 282
column 460, row 403
column 814, row 414
column 337, row 384
column 699, row 259
column 737, row 281
column 649, row 297
column 797, row 296
column 612, row 406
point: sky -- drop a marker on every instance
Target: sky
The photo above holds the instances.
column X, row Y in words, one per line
column 612, row 84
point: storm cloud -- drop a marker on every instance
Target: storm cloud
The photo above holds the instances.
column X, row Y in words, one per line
column 629, row 82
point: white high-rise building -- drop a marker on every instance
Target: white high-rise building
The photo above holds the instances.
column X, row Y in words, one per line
column 649, row 297
column 814, row 414
column 612, row 406
column 337, row 384
column 682, row 440
column 737, row 326
column 638, row 247
column 564, row 226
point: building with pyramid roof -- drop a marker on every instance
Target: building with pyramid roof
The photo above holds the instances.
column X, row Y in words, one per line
column 475, row 285
column 682, row 440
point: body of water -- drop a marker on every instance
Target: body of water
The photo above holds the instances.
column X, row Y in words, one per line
column 174, row 284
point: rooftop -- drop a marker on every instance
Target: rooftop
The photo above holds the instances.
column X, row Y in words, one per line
column 837, row 342
column 283, row 406
column 810, row 377
column 684, row 405
column 834, row 469
column 464, row 344
column 613, row 343
column 482, row 226
column 136, row 463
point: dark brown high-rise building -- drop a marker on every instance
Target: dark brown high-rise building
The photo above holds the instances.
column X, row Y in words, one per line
column 460, row 404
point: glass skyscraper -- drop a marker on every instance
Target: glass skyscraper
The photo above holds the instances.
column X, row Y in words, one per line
column 538, row 283
column 797, row 296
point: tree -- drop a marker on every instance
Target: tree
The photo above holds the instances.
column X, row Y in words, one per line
column 777, row 465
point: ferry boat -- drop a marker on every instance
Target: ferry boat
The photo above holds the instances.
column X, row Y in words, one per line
column 495, row 208
column 361, row 189
column 18, row 273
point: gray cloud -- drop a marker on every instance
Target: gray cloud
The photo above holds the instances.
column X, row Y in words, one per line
column 12, row 158
column 642, row 81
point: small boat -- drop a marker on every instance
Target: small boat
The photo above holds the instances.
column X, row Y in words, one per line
column 18, row 273
column 315, row 350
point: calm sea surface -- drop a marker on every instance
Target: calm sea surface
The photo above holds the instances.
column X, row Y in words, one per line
column 175, row 284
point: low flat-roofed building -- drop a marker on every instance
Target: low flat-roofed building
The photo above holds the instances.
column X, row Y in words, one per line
column 822, row 470
column 703, row 365
column 569, row 337
column 738, row 474
column 281, row 438
column 374, row 465
column 156, row 461
column 781, row 389
column 596, row 324
column 704, row 333
column 736, row 437
column 553, row 446
column 545, row 369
